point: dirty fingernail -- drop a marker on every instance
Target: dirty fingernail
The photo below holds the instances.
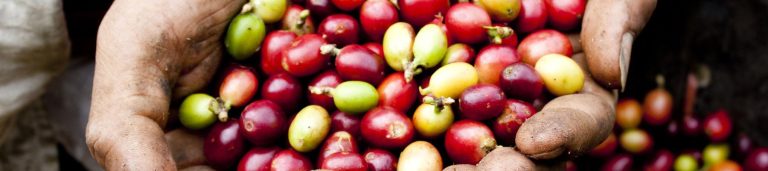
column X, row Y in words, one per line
column 625, row 52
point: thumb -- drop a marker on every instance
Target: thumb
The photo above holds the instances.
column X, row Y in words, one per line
column 571, row 124
column 608, row 30
column 202, row 46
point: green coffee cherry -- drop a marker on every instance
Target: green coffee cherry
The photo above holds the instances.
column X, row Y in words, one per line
column 309, row 128
column 244, row 36
column 429, row 48
column 200, row 110
column 355, row 97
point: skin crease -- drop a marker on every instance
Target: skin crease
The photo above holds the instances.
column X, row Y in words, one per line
column 546, row 137
column 151, row 52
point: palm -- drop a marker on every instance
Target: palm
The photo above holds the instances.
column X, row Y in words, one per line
column 194, row 39
column 149, row 52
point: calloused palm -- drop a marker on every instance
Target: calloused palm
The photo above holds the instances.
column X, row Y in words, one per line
column 148, row 53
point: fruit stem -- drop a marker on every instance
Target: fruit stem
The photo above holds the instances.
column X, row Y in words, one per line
column 321, row 90
column 344, row 139
column 394, row 2
column 395, row 130
column 428, row 100
column 660, row 81
column 329, row 49
column 497, row 33
column 488, row 145
column 411, row 69
column 424, row 91
column 223, row 116
column 495, row 39
column 439, row 17
column 247, row 8
column 404, row 62
column 302, row 16
column 439, row 102
column 220, row 107
column 703, row 75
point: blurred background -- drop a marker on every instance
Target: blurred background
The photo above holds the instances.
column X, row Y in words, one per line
column 724, row 45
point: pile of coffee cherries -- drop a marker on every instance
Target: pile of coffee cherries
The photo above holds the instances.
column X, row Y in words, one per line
column 382, row 85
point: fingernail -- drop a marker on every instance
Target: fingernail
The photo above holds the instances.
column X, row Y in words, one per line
column 625, row 53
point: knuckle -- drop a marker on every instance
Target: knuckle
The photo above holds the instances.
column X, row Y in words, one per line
column 97, row 142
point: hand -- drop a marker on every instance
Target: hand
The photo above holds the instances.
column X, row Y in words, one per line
column 148, row 53
column 609, row 28
column 574, row 124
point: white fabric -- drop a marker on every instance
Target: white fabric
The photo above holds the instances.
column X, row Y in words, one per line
column 34, row 47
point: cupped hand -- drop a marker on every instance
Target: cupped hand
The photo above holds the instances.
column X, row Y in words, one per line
column 149, row 52
column 574, row 124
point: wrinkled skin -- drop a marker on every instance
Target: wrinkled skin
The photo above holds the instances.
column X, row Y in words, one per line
column 152, row 52
column 608, row 29
column 148, row 53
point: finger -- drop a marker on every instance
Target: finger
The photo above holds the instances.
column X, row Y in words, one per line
column 130, row 98
column 590, row 86
column 608, row 30
column 124, row 128
column 205, row 42
column 198, row 168
column 133, row 81
column 186, row 148
column 460, row 167
column 505, row 158
column 571, row 124
column 575, row 40
column 131, row 95
column 136, row 145
column 197, row 78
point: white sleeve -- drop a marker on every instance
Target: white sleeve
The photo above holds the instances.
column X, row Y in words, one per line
column 34, row 47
